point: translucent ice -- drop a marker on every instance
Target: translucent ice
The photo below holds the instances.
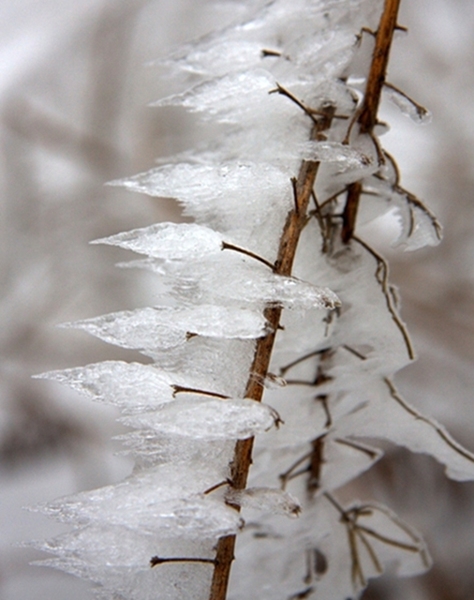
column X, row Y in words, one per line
column 207, row 418
column 130, row 386
column 347, row 157
column 388, row 416
column 266, row 500
column 409, row 107
column 228, row 99
column 420, row 227
column 165, row 327
column 244, row 280
column 169, row 241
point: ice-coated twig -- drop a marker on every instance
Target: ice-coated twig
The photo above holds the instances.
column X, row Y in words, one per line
column 381, row 274
column 439, row 430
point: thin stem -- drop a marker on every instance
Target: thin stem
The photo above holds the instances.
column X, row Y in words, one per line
column 179, row 389
column 367, row 116
column 227, row 246
column 370, row 453
column 382, row 278
column 242, row 460
column 156, row 560
column 301, row 359
column 421, row 111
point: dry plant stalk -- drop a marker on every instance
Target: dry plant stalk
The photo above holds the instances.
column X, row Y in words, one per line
column 288, row 244
column 223, row 338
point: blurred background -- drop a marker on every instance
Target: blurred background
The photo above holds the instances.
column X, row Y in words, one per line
column 74, row 87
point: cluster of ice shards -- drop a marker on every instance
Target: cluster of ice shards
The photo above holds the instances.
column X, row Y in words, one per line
column 336, row 351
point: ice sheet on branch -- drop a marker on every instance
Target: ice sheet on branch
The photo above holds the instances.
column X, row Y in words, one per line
column 157, row 499
column 207, row 418
column 278, row 28
column 369, row 311
column 304, row 417
column 118, row 559
column 347, row 157
column 270, row 500
column 153, row 449
column 323, row 555
column 229, row 98
column 417, row 113
column 169, row 241
column 130, row 386
column 371, row 540
column 242, row 280
column 165, row 327
column 344, row 460
column 387, row 416
column 419, row 226
column 227, row 194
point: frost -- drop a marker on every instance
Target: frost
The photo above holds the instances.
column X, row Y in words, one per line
column 203, row 418
column 265, row 499
column 169, row 241
column 130, row 386
column 164, row 327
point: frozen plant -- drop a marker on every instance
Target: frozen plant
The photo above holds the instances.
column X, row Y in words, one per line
column 276, row 345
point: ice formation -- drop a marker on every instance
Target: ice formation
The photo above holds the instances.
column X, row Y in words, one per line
column 285, row 83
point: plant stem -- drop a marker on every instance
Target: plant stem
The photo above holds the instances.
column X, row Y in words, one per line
column 367, row 117
column 295, row 222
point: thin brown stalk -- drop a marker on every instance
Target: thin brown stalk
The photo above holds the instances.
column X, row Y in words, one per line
column 367, row 116
column 242, row 460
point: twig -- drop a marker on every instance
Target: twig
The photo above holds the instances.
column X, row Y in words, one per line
column 227, row 246
column 179, row 389
column 292, row 229
column 366, row 117
column 382, row 277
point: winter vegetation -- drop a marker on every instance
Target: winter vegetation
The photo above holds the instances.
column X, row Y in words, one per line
column 259, row 390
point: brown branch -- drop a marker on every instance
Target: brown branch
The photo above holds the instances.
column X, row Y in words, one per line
column 382, row 277
column 227, row 246
column 179, row 389
column 157, row 560
column 367, row 116
column 242, row 460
